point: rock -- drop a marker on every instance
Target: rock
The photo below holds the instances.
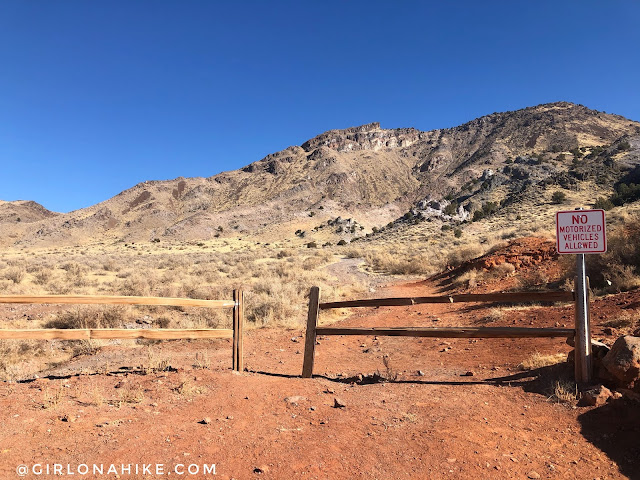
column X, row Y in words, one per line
column 295, row 400
column 205, row 421
column 420, row 373
column 337, row 403
column 623, row 361
column 468, row 374
column 630, row 394
column 533, row 474
column 598, row 349
column 595, row 396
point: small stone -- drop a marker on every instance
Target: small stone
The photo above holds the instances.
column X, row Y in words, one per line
column 329, row 390
column 468, row 374
column 295, row 339
column 420, row 373
column 337, row 403
column 205, row 421
column 533, row 475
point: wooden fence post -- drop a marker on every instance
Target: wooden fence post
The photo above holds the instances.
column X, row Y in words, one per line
column 238, row 330
column 310, row 339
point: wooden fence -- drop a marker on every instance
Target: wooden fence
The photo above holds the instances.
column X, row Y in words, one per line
column 313, row 330
column 236, row 333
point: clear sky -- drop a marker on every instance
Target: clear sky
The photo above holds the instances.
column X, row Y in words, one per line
column 96, row 96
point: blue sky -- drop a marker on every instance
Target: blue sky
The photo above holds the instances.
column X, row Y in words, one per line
column 97, row 96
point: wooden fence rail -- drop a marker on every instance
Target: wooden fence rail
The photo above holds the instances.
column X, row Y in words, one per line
column 236, row 333
column 440, row 332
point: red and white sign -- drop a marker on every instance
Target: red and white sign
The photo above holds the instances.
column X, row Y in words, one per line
column 581, row 231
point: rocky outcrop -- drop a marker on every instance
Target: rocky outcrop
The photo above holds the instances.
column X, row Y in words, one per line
column 365, row 137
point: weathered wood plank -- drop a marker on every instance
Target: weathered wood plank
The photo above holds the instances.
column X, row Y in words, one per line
column 112, row 333
column 450, row 332
column 310, row 339
column 115, row 300
column 507, row 297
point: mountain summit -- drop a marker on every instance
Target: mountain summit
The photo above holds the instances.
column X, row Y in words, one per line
column 366, row 172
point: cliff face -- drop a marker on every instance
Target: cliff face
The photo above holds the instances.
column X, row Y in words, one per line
column 366, row 172
column 366, row 137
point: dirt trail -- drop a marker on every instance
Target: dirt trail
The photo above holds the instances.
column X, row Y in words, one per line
column 268, row 423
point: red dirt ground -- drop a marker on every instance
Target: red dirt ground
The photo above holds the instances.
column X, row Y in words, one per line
column 436, row 423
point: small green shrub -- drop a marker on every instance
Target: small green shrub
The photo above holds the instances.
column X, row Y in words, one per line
column 558, row 197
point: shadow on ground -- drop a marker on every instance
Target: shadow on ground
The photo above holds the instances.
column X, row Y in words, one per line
column 615, row 429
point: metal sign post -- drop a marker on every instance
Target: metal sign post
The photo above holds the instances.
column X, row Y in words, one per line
column 583, row 360
column 578, row 232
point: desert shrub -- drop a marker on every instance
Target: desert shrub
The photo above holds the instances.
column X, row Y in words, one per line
column 90, row 317
column 401, row 262
column 503, row 270
column 624, row 146
column 603, row 203
column 460, row 255
column 457, row 232
column 451, row 209
column 468, row 279
column 535, row 280
column 342, row 242
column 312, row 245
column 42, row 276
column 16, row 274
column 618, row 269
column 626, row 193
column 136, row 285
column 558, row 197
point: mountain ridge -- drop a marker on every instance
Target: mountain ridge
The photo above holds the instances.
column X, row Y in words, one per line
column 366, row 172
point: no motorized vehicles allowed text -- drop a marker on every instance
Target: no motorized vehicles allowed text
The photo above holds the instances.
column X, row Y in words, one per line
column 581, row 231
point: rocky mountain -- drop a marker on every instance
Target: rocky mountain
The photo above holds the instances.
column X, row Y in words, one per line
column 367, row 173
column 23, row 211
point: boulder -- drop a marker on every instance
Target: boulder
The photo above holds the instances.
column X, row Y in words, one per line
column 623, row 361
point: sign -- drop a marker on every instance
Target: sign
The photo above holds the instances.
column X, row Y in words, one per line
column 581, row 231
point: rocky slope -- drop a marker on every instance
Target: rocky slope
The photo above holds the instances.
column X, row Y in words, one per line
column 372, row 174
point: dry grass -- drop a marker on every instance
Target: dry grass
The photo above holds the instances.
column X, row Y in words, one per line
column 276, row 282
column 539, row 360
column 564, row 391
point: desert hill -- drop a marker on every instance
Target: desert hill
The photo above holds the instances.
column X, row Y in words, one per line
column 23, row 211
column 366, row 174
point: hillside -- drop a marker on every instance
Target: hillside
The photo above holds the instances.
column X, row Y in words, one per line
column 367, row 174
